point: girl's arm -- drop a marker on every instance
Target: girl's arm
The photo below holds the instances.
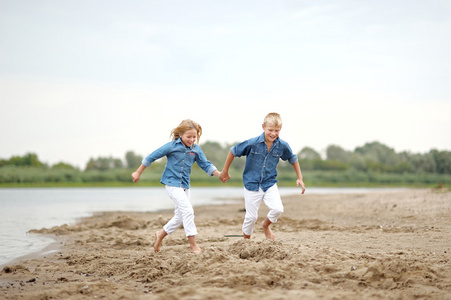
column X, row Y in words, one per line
column 299, row 181
column 204, row 163
column 137, row 174
column 149, row 159
column 225, row 171
column 216, row 173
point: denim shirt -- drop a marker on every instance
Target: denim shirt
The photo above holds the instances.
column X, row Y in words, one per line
column 260, row 168
column 180, row 161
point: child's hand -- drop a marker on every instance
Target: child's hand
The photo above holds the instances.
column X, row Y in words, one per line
column 300, row 183
column 224, row 176
column 135, row 176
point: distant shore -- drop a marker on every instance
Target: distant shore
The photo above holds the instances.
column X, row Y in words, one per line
column 382, row 245
column 212, row 184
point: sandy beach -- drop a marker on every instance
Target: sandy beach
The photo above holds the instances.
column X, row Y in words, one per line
column 385, row 245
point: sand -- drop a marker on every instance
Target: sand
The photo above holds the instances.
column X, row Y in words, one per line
column 387, row 245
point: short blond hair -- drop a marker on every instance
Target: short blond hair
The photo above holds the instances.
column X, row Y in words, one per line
column 183, row 127
column 273, row 119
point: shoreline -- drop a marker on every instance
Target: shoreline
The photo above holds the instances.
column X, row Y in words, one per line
column 363, row 245
column 50, row 249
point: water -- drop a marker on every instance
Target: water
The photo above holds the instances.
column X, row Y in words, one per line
column 34, row 208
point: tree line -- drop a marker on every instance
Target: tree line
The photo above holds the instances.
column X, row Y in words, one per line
column 377, row 157
column 372, row 162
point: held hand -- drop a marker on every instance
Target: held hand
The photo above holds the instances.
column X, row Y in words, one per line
column 135, row 176
column 300, row 183
column 224, row 176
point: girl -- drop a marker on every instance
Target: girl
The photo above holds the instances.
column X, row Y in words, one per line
column 181, row 154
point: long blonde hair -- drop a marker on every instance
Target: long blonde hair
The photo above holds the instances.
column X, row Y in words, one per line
column 183, row 127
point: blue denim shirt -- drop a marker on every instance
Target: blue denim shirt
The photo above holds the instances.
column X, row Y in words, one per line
column 180, row 161
column 260, row 168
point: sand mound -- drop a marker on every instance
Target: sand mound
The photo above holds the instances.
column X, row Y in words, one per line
column 15, row 269
column 257, row 251
column 125, row 222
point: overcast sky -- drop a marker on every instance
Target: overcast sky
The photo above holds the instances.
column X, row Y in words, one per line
column 82, row 79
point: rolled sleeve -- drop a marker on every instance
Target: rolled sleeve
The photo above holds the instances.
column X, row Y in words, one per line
column 146, row 163
column 157, row 154
column 211, row 170
column 241, row 149
column 293, row 159
column 288, row 154
column 233, row 151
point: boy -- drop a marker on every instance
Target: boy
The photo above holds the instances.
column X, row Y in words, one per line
column 259, row 176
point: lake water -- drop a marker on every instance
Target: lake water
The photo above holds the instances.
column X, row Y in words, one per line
column 34, row 208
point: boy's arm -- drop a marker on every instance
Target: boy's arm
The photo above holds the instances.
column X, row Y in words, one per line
column 224, row 176
column 299, row 181
column 137, row 173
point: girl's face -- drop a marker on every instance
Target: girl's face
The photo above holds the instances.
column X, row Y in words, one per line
column 271, row 132
column 189, row 137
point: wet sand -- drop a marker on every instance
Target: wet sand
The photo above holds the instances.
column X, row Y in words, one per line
column 386, row 245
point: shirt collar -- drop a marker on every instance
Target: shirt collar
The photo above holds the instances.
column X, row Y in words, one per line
column 179, row 141
column 261, row 139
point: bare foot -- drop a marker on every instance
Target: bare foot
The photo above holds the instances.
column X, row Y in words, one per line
column 193, row 245
column 159, row 236
column 196, row 249
column 248, row 237
column 268, row 232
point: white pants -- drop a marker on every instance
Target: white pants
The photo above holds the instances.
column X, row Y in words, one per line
column 183, row 212
column 252, row 202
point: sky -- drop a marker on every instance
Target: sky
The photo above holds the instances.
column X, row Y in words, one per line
column 81, row 79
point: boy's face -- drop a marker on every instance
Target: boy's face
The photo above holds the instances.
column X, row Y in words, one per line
column 271, row 132
column 189, row 137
